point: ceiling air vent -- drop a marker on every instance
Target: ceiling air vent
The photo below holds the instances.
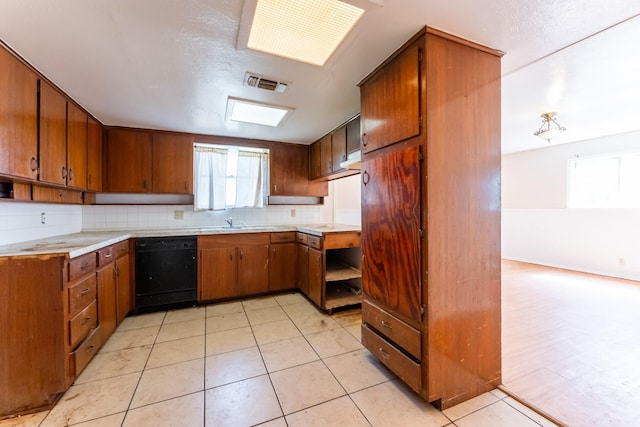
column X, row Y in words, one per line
column 256, row 80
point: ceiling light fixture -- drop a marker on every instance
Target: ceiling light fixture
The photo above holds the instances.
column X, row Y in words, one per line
column 550, row 127
column 242, row 110
column 303, row 30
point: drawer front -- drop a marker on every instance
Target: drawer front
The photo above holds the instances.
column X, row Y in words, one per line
column 405, row 368
column 393, row 328
column 82, row 265
column 121, row 248
column 81, row 294
column 106, row 255
column 85, row 351
column 302, row 238
column 342, row 240
column 82, row 323
column 289, row 236
column 314, row 242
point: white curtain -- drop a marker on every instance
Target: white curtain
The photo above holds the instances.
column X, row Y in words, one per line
column 210, row 176
column 251, row 182
column 214, row 176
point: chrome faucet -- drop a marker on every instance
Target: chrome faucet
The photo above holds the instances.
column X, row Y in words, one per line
column 229, row 221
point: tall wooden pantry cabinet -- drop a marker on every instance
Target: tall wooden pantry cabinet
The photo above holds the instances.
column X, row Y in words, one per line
column 430, row 122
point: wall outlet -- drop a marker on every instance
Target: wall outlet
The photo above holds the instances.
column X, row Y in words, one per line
column 178, row 214
column 621, row 261
column 293, row 213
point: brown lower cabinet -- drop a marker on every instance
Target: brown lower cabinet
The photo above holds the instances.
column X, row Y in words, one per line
column 282, row 255
column 55, row 314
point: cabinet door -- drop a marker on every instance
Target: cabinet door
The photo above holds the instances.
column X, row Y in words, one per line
column 18, row 118
column 338, row 148
column 391, row 231
column 128, row 161
column 315, row 162
column 353, row 135
column 253, row 269
column 282, row 270
column 172, row 164
column 123, row 288
column 53, row 135
column 218, row 274
column 107, row 311
column 316, row 276
column 302, row 268
column 390, row 101
column 289, row 170
column 326, row 159
column 94, row 156
column 76, row 147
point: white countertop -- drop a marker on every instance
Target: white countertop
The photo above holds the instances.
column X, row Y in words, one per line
column 74, row 245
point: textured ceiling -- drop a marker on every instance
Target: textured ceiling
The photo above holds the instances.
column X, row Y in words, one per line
column 171, row 64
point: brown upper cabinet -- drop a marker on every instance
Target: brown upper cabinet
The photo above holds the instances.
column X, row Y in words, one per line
column 315, row 162
column 77, row 123
column 353, row 135
column 289, row 166
column 53, row 135
column 143, row 162
column 172, row 168
column 326, row 159
column 18, row 118
column 94, row 156
column 390, row 102
column 338, row 148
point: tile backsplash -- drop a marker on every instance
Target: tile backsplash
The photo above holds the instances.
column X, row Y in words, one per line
column 130, row 217
column 20, row 222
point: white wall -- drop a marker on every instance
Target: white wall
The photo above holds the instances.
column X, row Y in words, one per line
column 538, row 227
column 346, row 200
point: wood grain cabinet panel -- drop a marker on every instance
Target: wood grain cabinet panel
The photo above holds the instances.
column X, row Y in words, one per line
column 315, row 160
column 338, row 148
column 353, row 135
column 107, row 303
column 94, row 156
column 123, row 287
column 390, row 101
column 282, row 268
column 218, row 273
column 53, row 135
column 129, row 161
column 316, row 276
column 77, row 143
column 326, row 156
column 289, row 172
column 18, row 118
column 172, row 164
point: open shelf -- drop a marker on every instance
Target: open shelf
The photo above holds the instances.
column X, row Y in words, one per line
column 337, row 271
column 341, row 294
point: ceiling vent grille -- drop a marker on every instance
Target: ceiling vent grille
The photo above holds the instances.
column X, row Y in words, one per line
column 256, row 80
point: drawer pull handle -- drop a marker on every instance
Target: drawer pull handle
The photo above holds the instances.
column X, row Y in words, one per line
column 384, row 353
column 385, row 324
column 107, row 256
column 84, row 266
column 86, row 319
column 90, row 348
column 85, row 291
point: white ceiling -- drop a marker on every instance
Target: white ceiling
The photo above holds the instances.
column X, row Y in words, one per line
column 171, row 64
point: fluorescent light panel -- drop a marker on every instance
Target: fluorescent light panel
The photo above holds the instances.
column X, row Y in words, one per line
column 242, row 110
column 303, row 30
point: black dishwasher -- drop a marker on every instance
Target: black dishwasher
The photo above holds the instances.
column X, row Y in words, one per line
column 166, row 273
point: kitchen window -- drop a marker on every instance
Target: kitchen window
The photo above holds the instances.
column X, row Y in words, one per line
column 605, row 182
column 230, row 177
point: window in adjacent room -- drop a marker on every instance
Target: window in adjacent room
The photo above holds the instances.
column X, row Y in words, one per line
column 230, row 177
column 605, row 182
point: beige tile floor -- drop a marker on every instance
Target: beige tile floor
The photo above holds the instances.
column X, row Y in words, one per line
column 274, row 361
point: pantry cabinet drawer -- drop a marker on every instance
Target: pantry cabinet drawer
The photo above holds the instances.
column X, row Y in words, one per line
column 82, row 323
column 85, row 351
column 81, row 294
column 82, row 265
column 405, row 368
column 405, row 336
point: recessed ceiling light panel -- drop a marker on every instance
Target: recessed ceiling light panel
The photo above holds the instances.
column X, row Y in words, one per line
column 243, row 110
column 303, row 30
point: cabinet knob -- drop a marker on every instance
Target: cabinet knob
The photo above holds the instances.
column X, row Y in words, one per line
column 64, row 172
column 34, row 164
